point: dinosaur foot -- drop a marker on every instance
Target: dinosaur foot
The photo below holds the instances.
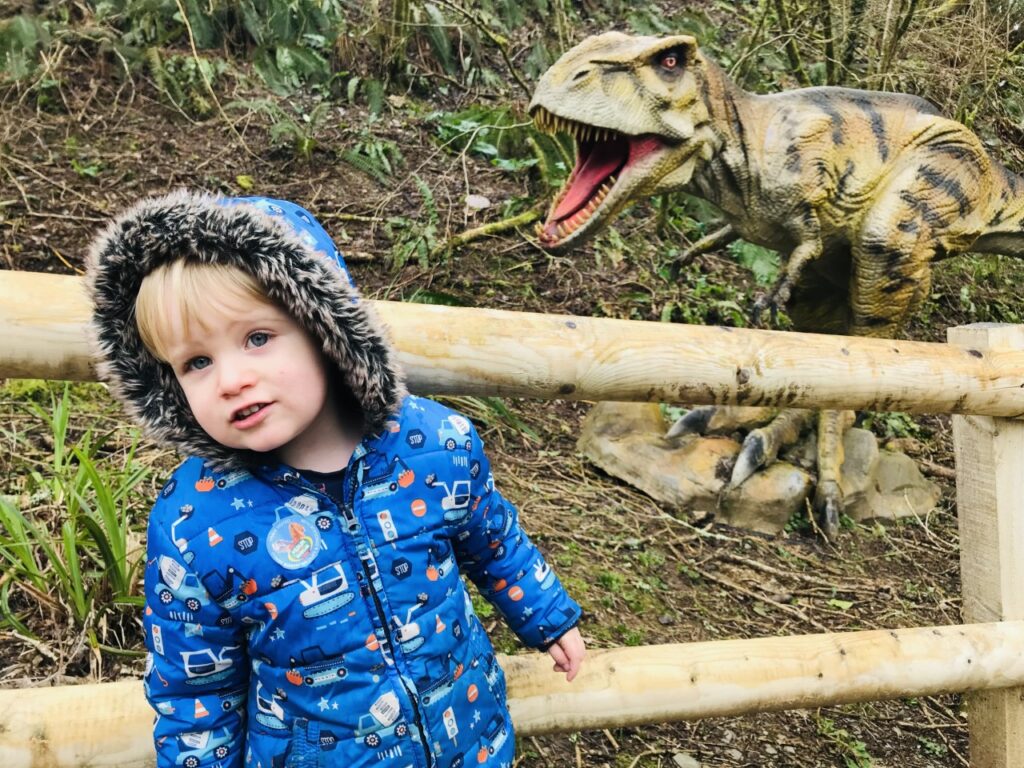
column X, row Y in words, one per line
column 702, row 473
column 761, row 303
column 720, row 420
column 752, row 456
column 693, row 422
column 828, row 504
column 774, row 301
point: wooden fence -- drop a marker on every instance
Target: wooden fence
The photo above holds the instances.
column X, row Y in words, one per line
column 978, row 375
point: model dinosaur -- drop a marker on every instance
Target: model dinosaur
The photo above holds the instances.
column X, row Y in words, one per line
column 859, row 191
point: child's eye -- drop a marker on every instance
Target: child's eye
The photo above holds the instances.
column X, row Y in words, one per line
column 259, row 338
column 197, row 363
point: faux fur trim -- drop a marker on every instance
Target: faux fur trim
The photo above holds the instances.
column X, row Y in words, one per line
column 303, row 281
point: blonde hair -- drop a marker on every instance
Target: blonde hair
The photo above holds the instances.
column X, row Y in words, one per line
column 188, row 287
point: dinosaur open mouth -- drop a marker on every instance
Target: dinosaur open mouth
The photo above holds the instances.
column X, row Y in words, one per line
column 601, row 156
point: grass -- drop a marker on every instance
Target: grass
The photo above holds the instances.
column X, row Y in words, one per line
column 71, row 515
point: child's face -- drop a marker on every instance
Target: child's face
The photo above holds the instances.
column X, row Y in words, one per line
column 255, row 380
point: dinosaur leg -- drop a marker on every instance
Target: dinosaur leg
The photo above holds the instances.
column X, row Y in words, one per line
column 717, row 239
column 821, row 304
column 828, row 495
column 809, row 250
column 762, row 445
column 891, row 277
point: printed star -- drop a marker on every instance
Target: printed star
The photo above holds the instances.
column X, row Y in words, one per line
column 324, row 703
column 527, row 612
column 250, row 504
column 334, row 706
column 476, row 718
column 237, row 503
column 278, row 634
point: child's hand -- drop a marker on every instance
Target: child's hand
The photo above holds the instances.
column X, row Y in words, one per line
column 568, row 652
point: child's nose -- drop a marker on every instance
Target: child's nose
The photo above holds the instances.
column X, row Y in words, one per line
column 235, row 378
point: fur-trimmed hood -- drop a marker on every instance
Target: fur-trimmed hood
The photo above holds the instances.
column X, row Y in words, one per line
column 285, row 250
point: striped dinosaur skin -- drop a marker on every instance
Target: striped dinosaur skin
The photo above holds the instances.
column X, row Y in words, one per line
column 859, row 191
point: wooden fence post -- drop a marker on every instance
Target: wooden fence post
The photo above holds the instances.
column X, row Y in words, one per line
column 990, row 506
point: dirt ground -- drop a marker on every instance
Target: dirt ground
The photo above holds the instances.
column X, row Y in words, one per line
column 643, row 574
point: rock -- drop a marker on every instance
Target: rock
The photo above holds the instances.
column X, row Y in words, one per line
column 882, row 484
column 902, row 490
column 476, row 203
column 767, row 499
column 683, row 760
column 627, row 441
column 857, row 477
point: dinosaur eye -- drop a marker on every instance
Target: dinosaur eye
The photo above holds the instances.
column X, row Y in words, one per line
column 670, row 60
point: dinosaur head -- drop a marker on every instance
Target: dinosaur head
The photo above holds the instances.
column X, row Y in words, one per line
column 635, row 109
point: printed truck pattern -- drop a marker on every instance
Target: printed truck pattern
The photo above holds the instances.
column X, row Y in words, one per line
column 286, row 630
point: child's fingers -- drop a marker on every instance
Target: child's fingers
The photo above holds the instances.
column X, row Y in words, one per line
column 574, row 667
column 561, row 660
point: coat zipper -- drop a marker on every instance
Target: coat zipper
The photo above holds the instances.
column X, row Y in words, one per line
column 349, row 506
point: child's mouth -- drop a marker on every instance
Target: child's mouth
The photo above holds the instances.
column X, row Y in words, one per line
column 248, row 412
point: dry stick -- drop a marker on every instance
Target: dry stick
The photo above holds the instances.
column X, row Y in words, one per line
column 206, row 82
column 765, row 568
column 936, row 470
column 66, row 263
column 494, row 228
column 52, row 182
column 750, row 593
column 608, row 735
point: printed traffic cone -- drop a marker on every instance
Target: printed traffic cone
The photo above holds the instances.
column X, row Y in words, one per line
column 440, row 626
column 201, row 711
column 215, row 538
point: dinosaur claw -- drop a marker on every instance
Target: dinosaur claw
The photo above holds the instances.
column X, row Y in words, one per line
column 693, row 422
column 755, row 311
column 751, row 458
column 828, row 503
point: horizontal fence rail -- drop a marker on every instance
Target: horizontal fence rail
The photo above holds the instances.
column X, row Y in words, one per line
column 109, row 724
column 449, row 350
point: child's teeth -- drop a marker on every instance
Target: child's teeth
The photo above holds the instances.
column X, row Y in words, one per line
column 248, row 411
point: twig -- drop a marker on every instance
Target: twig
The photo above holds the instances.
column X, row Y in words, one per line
column 537, row 745
column 66, row 263
column 764, row 598
column 494, row 228
column 350, row 217
column 936, row 470
column 52, row 182
column 642, row 755
column 608, row 735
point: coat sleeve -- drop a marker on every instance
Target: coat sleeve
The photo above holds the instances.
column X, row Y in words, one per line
column 197, row 670
column 507, row 567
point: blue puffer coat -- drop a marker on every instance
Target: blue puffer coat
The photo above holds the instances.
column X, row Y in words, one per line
column 288, row 630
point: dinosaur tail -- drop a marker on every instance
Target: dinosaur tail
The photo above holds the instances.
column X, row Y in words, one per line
column 1005, row 230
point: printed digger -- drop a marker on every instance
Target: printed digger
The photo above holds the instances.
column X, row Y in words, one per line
column 858, row 191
